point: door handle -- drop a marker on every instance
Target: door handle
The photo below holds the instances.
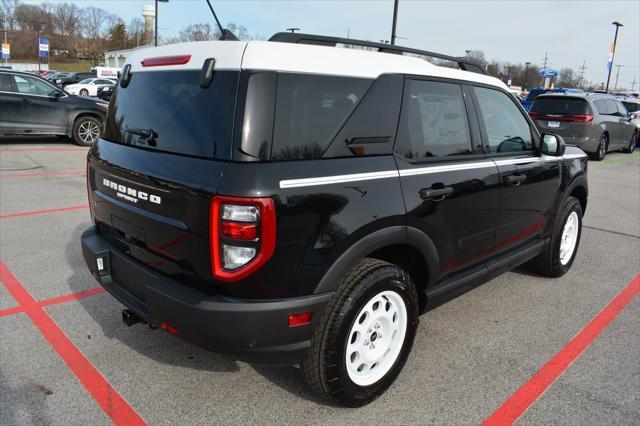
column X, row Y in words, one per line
column 436, row 194
column 24, row 101
column 515, row 180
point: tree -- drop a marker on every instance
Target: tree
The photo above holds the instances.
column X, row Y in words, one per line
column 477, row 56
column 135, row 31
column 117, row 35
column 93, row 21
column 567, row 78
column 68, row 19
column 197, row 32
column 7, row 9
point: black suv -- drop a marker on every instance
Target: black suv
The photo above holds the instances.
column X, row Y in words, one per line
column 288, row 203
column 65, row 79
column 30, row 105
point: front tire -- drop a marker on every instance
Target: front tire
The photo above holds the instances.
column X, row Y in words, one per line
column 365, row 335
column 84, row 92
column 86, row 130
column 558, row 255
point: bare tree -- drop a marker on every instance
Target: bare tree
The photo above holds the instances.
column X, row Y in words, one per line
column 135, row 30
column 7, row 9
column 68, row 19
column 567, row 78
column 94, row 20
column 197, row 32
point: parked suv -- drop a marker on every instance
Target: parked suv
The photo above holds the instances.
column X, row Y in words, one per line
column 30, row 105
column 287, row 203
column 597, row 123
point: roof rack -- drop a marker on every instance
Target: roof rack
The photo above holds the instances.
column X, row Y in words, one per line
column 321, row 40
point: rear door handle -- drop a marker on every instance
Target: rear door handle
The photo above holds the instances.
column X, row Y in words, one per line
column 24, row 101
column 515, row 180
column 436, row 194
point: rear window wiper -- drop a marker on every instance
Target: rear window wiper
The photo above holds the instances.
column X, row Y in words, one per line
column 149, row 135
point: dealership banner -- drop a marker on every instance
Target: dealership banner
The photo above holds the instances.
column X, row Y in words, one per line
column 43, row 47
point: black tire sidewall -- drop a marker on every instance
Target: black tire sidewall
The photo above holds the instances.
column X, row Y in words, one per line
column 84, row 92
column 76, row 128
column 604, row 139
column 570, row 205
column 346, row 391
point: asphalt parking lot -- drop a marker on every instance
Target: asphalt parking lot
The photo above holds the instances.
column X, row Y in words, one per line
column 521, row 346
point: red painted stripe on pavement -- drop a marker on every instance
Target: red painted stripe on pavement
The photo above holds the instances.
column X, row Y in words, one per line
column 11, row 311
column 56, row 300
column 514, row 407
column 43, row 149
column 72, row 296
column 18, row 175
column 37, row 212
column 114, row 406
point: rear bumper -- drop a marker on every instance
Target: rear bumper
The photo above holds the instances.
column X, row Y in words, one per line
column 251, row 330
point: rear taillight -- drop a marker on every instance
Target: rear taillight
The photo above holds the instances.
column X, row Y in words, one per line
column 577, row 118
column 243, row 236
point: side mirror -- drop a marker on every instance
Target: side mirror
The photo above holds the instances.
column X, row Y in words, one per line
column 551, row 144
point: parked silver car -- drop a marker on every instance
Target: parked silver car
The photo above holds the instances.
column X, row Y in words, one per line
column 597, row 123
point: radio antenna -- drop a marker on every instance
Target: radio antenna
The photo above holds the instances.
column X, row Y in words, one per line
column 224, row 34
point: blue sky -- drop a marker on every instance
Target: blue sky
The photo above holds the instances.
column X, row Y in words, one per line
column 509, row 30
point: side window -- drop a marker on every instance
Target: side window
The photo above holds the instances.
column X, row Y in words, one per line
column 7, row 83
column 507, row 129
column 434, row 121
column 33, row 86
column 601, row 106
column 309, row 110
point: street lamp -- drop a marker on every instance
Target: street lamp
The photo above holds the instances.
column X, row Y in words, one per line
column 613, row 52
column 155, row 32
column 524, row 80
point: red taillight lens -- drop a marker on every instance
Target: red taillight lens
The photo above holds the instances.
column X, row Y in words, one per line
column 300, row 319
column 159, row 61
column 577, row 118
column 239, row 231
column 242, row 236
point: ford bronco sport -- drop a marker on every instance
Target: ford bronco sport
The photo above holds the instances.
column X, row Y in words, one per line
column 288, row 203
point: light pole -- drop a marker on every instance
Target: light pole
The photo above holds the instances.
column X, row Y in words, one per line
column 526, row 71
column 155, row 31
column 613, row 52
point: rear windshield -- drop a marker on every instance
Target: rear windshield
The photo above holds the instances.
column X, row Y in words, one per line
column 183, row 117
column 561, row 106
column 631, row 106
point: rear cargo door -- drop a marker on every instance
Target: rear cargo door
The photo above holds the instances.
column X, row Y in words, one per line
column 152, row 176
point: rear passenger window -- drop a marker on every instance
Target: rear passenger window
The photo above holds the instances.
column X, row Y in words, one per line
column 434, row 121
column 507, row 129
column 309, row 110
column 606, row 106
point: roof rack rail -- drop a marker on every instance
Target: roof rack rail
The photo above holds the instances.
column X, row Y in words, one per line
column 321, row 40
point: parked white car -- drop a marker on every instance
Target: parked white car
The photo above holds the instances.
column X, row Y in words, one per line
column 89, row 86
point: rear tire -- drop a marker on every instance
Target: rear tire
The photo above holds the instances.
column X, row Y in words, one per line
column 376, row 304
column 86, row 131
column 558, row 255
column 601, row 151
column 632, row 143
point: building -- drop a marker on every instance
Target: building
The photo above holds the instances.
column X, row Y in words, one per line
column 117, row 58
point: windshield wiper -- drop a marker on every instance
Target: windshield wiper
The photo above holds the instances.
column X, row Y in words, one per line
column 149, row 135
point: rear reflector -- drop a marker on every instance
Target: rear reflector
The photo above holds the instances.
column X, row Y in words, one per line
column 169, row 328
column 159, row 61
column 301, row 318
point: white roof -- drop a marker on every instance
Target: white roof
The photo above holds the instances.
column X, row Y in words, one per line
column 301, row 58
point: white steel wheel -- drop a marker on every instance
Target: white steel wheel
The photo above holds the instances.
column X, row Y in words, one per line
column 569, row 238
column 376, row 338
